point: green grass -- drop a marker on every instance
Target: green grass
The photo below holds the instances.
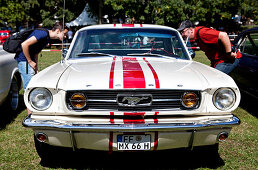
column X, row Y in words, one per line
column 17, row 149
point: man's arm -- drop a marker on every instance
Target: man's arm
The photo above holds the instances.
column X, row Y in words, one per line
column 223, row 37
column 25, row 48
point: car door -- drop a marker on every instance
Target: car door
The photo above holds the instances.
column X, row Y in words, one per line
column 246, row 74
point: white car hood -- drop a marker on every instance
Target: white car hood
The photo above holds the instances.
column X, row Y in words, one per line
column 140, row 73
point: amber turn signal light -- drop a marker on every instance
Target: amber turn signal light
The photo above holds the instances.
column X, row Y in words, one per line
column 189, row 100
column 78, row 101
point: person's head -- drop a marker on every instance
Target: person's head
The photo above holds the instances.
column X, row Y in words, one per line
column 58, row 31
column 186, row 29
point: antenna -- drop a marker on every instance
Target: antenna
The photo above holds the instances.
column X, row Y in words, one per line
column 63, row 30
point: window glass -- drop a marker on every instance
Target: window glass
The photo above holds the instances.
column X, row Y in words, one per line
column 250, row 44
column 129, row 42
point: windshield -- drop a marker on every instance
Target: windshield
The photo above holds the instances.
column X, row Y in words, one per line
column 128, row 42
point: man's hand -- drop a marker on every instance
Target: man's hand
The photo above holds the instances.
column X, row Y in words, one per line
column 231, row 56
column 33, row 65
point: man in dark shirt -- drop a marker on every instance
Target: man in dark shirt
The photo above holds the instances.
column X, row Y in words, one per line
column 215, row 44
column 27, row 59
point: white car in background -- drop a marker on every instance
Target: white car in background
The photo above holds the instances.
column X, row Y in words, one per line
column 10, row 80
column 129, row 88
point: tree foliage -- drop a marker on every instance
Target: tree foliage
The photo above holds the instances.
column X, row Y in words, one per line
column 33, row 12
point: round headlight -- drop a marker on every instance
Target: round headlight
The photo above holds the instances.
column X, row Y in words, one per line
column 189, row 100
column 78, row 100
column 40, row 98
column 224, row 98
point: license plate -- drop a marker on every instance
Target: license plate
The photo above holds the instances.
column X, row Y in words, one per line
column 133, row 142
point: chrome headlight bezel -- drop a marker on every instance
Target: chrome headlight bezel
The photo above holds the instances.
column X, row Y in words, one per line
column 35, row 98
column 226, row 94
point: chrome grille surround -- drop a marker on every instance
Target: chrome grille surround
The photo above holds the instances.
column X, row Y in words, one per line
column 107, row 99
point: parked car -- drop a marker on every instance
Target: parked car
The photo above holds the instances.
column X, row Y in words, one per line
column 246, row 73
column 10, row 80
column 4, row 34
column 129, row 87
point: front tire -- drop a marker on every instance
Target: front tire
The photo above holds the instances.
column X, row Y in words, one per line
column 13, row 95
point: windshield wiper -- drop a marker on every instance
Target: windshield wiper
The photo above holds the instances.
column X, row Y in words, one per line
column 93, row 54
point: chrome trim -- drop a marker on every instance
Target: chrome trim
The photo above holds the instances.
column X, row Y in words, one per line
column 114, row 101
column 215, row 94
column 100, row 100
column 134, row 100
column 63, row 126
column 51, row 98
column 165, row 100
column 107, row 99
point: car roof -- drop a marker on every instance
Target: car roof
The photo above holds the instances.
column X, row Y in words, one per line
column 251, row 30
column 115, row 26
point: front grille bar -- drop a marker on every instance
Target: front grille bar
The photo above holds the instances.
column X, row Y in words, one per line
column 107, row 99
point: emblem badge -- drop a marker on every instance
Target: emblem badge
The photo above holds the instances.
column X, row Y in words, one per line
column 134, row 100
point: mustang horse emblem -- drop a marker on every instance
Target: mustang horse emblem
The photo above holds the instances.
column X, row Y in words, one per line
column 132, row 101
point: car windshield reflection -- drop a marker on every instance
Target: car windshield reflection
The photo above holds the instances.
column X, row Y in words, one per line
column 128, row 42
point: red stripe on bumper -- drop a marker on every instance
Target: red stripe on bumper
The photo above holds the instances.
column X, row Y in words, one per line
column 156, row 119
column 156, row 141
column 134, row 121
column 110, row 146
column 112, row 121
column 127, row 25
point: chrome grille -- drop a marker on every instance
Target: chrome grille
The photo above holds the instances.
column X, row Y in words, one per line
column 107, row 99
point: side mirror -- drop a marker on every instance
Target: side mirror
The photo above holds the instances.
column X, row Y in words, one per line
column 193, row 55
column 64, row 52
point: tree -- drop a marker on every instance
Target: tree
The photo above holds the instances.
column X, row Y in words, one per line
column 33, row 12
column 11, row 13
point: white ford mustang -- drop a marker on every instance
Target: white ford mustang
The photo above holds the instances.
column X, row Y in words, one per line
column 130, row 87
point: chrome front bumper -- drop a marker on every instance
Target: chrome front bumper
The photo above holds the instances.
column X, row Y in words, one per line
column 150, row 127
column 103, row 136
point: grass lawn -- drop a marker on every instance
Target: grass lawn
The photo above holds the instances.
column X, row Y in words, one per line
column 240, row 151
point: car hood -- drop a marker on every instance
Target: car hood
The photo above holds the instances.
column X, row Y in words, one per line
column 139, row 73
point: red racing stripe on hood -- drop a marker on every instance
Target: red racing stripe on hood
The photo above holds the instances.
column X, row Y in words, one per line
column 133, row 73
column 111, row 75
column 154, row 73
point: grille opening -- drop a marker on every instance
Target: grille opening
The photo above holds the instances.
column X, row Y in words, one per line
column 107, row 99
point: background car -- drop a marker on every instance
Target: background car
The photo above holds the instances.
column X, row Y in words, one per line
column 10, row 80
column 129, row 87
column 4, row 34
column 246, row 73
